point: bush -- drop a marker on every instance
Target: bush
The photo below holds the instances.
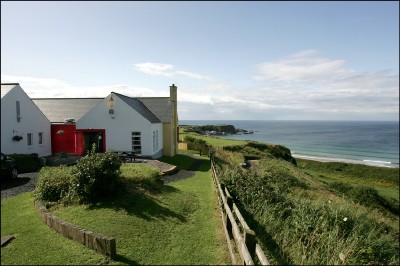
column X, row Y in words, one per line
column 54, row 183
column 97, row 175
column 340, row 187
column 253, row 148
column 368, row 196
column 26, row 163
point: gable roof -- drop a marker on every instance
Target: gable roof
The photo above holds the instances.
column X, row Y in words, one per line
column 160, row 106
column 7, row 87
column 59, row 109
column 154, row 109
column 139, row 107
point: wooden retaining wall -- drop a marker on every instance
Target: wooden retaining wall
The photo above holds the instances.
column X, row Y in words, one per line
column 245, row 240
column 100, row 243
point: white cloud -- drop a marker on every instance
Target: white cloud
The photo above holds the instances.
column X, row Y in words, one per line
column 159, row 69
column 54, row 88
column 300, row 67
column 155, row 69
column 308, row 83
column 300, row 86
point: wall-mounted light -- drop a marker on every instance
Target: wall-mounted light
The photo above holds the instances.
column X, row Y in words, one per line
column 111, row 103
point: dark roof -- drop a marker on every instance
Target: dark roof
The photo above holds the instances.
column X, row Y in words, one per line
column 140, row 107
column 59, row 109
column 160, row 106
column 154, row 109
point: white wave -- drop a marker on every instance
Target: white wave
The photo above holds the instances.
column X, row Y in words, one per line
column 341, row 160
column 371, row 161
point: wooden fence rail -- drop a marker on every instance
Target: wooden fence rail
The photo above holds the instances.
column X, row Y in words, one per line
column 246, row 242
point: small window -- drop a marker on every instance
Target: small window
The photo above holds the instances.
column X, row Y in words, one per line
column 157, row 147
column 18, row 109
column 40, row 135
column 136, row 143
column 154, row 141
column 29, row 138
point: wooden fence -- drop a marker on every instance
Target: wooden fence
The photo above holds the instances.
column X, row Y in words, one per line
column 245, row 239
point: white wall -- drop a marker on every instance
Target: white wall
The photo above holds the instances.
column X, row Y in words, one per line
column 119, row 129
column 32, row 121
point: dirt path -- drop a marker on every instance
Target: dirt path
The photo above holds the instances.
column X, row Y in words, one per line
column 183, row 174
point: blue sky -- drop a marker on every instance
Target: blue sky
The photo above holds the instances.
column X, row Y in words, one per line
column 230, row 60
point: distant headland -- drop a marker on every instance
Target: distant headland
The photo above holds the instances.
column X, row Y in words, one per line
column 217, row 130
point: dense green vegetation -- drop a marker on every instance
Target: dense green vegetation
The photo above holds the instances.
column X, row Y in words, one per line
column 313, row 213
column 26, row 162
column 95, row 176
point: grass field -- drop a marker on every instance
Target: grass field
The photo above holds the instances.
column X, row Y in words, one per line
column 178, row 225
column 312, row 212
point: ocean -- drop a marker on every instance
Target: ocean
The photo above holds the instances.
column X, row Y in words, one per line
column 367, row 142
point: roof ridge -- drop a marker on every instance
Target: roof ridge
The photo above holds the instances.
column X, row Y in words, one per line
column 147, row 114
column 9, row 83
column 93, row 98
column 139, row 97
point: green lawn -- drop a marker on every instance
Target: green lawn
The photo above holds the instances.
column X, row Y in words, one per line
column 180, row 225
column 35, row 243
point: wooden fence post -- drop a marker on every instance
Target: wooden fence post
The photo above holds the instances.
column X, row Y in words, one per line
column 229, row 202
column 250, row 241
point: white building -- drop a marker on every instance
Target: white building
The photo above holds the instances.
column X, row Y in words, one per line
column 128, row 125
column 147, row 126
column 24, row 128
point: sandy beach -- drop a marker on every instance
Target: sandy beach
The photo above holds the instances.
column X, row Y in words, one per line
column 326, row 159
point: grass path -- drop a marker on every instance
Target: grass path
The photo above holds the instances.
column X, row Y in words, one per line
column 181, row 225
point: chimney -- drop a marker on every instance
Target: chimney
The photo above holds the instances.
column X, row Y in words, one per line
column 173, row 93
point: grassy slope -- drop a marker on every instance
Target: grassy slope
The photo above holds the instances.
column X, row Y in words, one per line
column 385, row 180
column 175, row 227
column 180, row 225
column 300, row 210
column 35, row 243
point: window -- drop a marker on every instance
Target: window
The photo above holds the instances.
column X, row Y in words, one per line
column 18, row 109
column 136, row 143
column 154, row 141
column 40, row 135
column 157, row 148
column 29, row 138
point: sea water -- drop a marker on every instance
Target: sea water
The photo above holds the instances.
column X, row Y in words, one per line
column 367, row 142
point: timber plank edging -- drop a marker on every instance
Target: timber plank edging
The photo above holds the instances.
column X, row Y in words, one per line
column 100, row 243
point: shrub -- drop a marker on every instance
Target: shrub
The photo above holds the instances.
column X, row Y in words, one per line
column 26, row 162
column 368, row 196
column 340, row 187
column 96, row 175
column 54, row 183
column 264, row 150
